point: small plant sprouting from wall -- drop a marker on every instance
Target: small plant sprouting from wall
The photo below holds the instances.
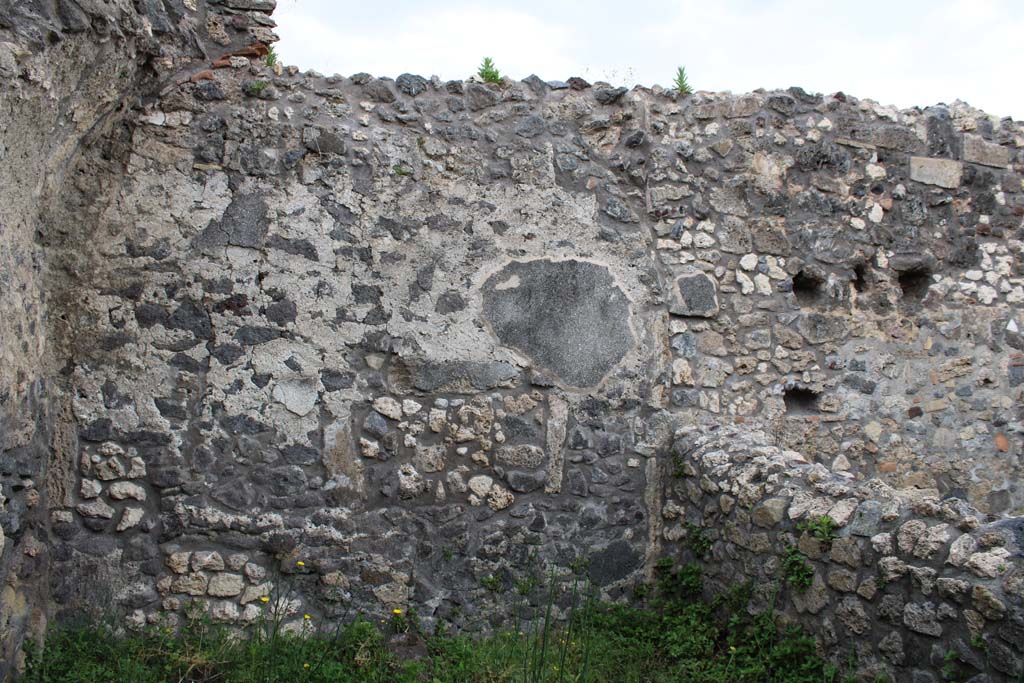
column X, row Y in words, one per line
column 797, row 570
column 271, row 58
column 696, row 541
column 488, row 72
column 822, row 528
column 680, row 83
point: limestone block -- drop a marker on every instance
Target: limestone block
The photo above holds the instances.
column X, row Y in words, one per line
column 942, row 172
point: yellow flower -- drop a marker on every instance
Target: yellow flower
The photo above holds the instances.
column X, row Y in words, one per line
column 301, row 563
column 396, row 611
column 264, row 598
column 306, row 617
column 732, row 648
column 306, row 665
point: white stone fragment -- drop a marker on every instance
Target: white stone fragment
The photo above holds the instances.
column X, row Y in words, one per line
column 876, row 214
column 745, row 283
column 207, row 559
column 388, row 407
column 481, row 485
column 90, row 488
column 130, row 518
column 122, row 490
column 987, row 294
column 874, row 171
column 298, row 396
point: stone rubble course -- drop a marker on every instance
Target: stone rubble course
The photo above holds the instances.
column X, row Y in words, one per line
column 423, row 336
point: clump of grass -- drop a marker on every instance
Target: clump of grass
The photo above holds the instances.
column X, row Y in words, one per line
column 271, row 58
column 681, row 84
column 677, row 634
column 488, row 72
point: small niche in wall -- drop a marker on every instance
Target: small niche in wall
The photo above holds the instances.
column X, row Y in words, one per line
column 800, row 401
column 808, row 289
column 914, row 284
column 860, row 278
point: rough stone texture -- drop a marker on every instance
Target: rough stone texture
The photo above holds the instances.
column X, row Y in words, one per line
column 69, row 74
column 568, row 317
column 980, row 151
column 941, row 172
column 418, row 334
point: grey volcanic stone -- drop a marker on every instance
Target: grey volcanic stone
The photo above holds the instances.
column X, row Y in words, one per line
column 322, row 141
column 569, row 317
column 375, row 424
column 244, row 224
column 480, row 96
column 698, row 296
column 411, row 84
column 922, row 619
column 536, row 84
column 530, row 127
column 462, row 375
column 524, row 482
column 379, row 91
column 613, row 563
column 608, row 95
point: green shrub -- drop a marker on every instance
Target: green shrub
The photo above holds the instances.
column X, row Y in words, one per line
column 696, row 541
column 797, row 570
column 488, row 72
column 822, row 528
column 681, row 84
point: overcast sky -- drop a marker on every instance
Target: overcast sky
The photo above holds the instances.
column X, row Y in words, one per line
column 901, row 52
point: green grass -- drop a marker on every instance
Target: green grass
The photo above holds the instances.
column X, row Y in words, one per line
column 674, row 636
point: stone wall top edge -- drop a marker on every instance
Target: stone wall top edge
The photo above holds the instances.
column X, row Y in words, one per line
column 788, row 103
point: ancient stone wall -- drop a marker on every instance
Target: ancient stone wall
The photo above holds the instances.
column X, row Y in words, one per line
column 435, row 339
column 70, row 73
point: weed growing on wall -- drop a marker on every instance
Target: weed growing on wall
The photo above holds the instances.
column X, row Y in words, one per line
column 680, row 82
column 797, row 570
column 822, row 528
column 488, row 72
